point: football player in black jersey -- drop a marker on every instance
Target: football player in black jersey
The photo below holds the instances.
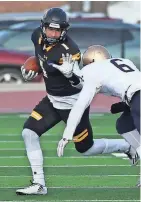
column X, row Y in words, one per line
column 52, row 46
column 58, row 57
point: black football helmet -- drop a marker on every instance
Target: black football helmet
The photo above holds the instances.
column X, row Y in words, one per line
column 54, row 18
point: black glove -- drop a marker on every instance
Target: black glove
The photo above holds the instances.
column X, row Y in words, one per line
column 119, row 107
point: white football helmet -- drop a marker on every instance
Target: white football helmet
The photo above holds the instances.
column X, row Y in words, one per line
column 95, row 53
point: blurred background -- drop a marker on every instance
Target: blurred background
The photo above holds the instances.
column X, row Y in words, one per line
column 113, row 24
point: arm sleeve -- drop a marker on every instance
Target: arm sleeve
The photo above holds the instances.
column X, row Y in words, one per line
column 84, row 100
column 33, row 38
column 36, row 36
column 69, row 46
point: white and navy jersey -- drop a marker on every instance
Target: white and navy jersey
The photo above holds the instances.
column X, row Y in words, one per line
column 112, row 77
column 115, row 77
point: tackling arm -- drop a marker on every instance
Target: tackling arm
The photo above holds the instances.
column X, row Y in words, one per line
column 78, row 109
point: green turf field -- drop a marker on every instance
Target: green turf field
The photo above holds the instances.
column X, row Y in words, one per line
column 70, row 178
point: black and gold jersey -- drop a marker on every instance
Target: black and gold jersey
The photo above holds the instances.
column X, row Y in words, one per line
column 56, row 83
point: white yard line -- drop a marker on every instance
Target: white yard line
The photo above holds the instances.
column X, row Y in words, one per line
column 70, row 166
column 19, row 141
column 74, row 187
column 53, row 157
column 22, row 149
column 48, row 134
column 12, row 149
column 86, row 200
column 75, row 176
column 9, row 134
column 97, row 115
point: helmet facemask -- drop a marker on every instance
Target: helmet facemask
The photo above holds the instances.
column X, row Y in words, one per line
column 54, row 18
column 49, row 40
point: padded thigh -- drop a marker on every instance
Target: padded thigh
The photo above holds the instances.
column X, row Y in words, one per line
column 125, row 123
column 135, row 109
column 85, row 144
column 43, row 117
column 83, row 130
column 84, row 133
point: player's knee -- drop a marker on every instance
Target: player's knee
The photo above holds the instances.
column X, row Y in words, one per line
column 81, row 148
column 87, row 152
column 83, row 141
column 124, row 124
column 83, row 145
column 35, row 126
column 118, row 126
column 31, row 139
column 25, row 133
column 29, row 134
column 121, row 126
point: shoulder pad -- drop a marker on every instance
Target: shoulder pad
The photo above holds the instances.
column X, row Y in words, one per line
column 69, row 46
column 36, row 36
column 65, row 46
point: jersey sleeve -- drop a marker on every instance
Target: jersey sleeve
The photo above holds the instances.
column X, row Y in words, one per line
column 36, row 36
column 36, row 39
column 84, row 100
column 69, row 46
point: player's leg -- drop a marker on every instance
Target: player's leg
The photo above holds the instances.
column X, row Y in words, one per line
column 84, row 143
column 135, row 109
column 126, row 128
column 42, row 118
column 83, row 138
column 135, row 112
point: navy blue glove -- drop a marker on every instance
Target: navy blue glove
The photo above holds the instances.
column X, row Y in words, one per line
column 119, row 107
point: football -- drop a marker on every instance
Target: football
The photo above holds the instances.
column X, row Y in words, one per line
column 31, row 64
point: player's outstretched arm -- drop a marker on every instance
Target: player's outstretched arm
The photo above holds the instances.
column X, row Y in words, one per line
column 67, row 67
column 84, row 100
column 70, row 69
column 75, row 116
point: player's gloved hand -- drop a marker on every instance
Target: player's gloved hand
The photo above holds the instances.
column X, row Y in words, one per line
column 67, row 67
column 28, row 75
column 61, row 145
column 119, row 107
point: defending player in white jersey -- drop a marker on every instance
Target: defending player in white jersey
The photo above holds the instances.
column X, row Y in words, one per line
column 116, row 77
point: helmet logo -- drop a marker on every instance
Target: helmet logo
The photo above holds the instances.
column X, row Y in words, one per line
column 54, row 25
